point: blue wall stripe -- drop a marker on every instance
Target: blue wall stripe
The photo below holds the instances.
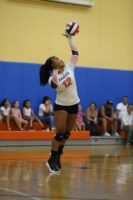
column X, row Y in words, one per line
column 21, row 81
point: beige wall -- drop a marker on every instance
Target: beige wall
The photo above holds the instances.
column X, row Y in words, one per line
column 30, row 31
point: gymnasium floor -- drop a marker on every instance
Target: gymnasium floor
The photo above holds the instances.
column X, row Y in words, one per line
column 89, row 173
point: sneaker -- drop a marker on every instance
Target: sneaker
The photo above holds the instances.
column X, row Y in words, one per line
column 22, row 129
column 59, row 167
column 51, row 167
column 107, row 134
column 116, row 134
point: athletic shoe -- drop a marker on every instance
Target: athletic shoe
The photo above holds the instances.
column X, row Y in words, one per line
column 116, row 134
column 58, row 163
column 51, row 167
column 107, row 134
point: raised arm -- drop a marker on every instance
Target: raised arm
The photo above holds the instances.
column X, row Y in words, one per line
column 74, row 57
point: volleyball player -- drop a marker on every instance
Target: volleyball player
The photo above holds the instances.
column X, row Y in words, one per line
column 61, row 78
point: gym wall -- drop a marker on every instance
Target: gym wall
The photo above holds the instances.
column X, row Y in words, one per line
column 31, row 32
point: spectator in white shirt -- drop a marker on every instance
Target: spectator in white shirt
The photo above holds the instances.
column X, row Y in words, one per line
column 121, row 107
column 46, row 112
column 127, row 123
column 29, row 115
column 5, row 112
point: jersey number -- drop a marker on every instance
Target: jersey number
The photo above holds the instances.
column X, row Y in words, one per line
column 67, row 82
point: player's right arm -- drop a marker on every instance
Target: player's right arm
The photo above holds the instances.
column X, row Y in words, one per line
column 53, row 80
column 74, row 57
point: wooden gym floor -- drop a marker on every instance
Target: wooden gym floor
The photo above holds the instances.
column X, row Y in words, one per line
column 93, row 173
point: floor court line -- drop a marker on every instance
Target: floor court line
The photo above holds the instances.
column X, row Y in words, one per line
column 19, row 193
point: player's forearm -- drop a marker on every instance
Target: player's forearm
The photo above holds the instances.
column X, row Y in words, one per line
column 53, row 80
column 71, row 43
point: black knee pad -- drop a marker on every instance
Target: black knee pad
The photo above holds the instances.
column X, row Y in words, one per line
column 59, row 137
column 67, row 135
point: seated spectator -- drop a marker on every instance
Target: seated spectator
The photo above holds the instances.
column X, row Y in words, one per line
column 107, row 117
column 28, row 114
column 17, row 117
column 5, row 112
column 91, row 118
column 80, row 125
column 46, row 112
column 120, row 108
column 127, row 123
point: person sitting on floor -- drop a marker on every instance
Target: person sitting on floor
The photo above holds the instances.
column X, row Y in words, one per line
column 107, row 118
column 17, row 117
column 28, row 114
column 5, row 112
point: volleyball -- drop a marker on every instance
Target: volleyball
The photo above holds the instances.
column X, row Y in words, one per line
column 72, row 28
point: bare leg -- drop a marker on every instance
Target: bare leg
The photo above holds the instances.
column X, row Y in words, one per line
column 60, row 124
column 7, row 119
column 18, row 122
column 115, row 125
column 83, row 127
column 39, row 121
column 71, row 121
column 104, row 121
column 31, row 121
column 24, row 123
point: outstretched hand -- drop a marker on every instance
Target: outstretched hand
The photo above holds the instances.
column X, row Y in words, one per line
column 66, row 35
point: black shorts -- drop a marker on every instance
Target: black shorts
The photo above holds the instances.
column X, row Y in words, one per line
column 69, row 109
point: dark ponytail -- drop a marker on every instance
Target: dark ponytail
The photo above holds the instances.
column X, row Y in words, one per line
column 45, row 71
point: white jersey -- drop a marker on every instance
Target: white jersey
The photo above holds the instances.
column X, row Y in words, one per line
column 67, row 90
column 66, row 85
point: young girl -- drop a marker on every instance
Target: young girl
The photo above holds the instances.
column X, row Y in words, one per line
column 29, row 115
column 80, row 125
column 16, row 114
column 61, row 78
column 5, row 112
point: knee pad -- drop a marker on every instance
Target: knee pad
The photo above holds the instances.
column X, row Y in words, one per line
column 67, row 135
column 59, row 137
